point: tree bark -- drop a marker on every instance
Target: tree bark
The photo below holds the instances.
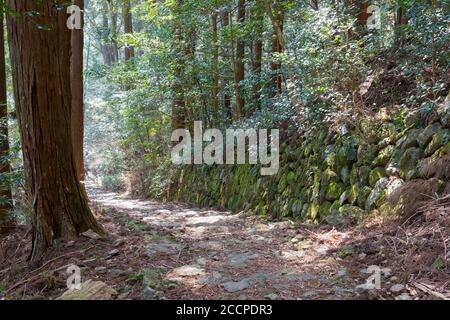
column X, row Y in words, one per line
column 277, row 48
column 257, row 54
column 239, row 72
column 363, row 18
column 291, row 81
column 278, row 45
column 128, row 28
column 178, row 99
column 215, row 67
column 401, row 20
column 76, row 82
column 114, row 31
column 106, row 48
column 5, row 190
column 226, row 77
column 40, row 58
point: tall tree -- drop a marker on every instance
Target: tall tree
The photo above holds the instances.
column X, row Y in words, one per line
column 239, row 69
column 76, row 82
column 105, row 45
column 5, row 190
column 40, row 53
column 225, row 57
column 401, row 20
column 128, row 27
column 178, row 99
column 114, row 30
column 257, row 50
column 276, row 49
column 363, row 17
column 291, row 84
column 215, row 64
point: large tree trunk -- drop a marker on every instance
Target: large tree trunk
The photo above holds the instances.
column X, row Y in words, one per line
column 76, row 81
column 128, row 28
column 40, row 58
column 5, row 190
column 239, row 71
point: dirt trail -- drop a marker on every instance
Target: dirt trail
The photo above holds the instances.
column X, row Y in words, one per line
column 191, row 253
column 174, row 251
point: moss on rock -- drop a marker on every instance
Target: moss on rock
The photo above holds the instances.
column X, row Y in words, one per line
column 334, row 191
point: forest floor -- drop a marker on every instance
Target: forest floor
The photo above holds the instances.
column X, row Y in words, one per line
column 173, row 251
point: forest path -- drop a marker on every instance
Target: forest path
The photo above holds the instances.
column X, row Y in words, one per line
column 180, row 252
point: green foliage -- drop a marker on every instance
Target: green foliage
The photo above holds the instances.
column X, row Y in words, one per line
column 357, row 88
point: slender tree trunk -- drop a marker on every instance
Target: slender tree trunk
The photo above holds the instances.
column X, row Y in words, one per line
column 291, row 81
column 363, row 17
column 105, row 42
column 189, row 75
column 5, row 190
column 40, row 59
column 401, row 19
column 114, row 31
column 215, row 67
column 239, row 72
column 178, row 100
column 128, row 28
column 76, row 81
column 277, row 48
column 257, row 54
column 225, row 21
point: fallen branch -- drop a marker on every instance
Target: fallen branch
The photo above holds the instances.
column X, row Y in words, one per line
column 62, row 256
column 428, row 289
column 15, row 286
column 21, row 283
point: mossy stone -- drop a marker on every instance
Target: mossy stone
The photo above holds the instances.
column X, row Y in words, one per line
column 351, row 211
column 377, row 194
column 367, row 154
column 363, row 194
column 375, row 175
column 363, row 174
column 410, row 140
column 383, row 156
column 313, row 211
column 334, row 191
column 324, row 209
column 439, row 139
column 369, row 130
column 329, row 176
column 353, row 178
column 408, row 162
column 412, row 119
column 352, row 194
column 346, row 154
column 345, row 175
column 343, row 198
column 388, row 131
column 427, row 134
